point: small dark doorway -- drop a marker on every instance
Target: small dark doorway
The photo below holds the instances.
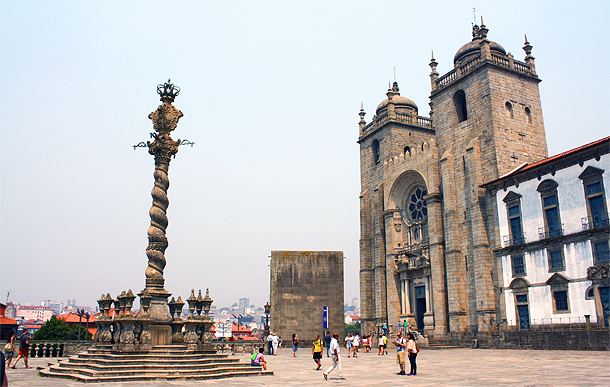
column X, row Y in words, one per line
column 420, row 305
column 523, row 311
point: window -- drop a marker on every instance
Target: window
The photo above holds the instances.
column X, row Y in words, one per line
column 407, row 150
column 590, row 293
column 555, row 260
column 528, row 114
column 459, row 100
column 596, row 199
column 550, row 208
column 561, row 301
column 559, row 291
column 376, row 151
column 518, row 264
column 509, row 109
column 601, row 251
column 513, row 207
column 418, row 206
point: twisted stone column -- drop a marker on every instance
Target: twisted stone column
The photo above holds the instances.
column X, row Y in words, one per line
column 165, row 119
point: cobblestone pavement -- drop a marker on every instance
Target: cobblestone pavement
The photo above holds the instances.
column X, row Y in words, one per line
column 444, row 367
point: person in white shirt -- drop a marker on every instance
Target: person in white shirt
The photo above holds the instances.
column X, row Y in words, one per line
column 334, row 350
column 356, row 344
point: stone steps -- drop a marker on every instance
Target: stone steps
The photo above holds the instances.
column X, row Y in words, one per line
column 103, row 364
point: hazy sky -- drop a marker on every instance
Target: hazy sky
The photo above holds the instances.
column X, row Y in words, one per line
column 270, row 94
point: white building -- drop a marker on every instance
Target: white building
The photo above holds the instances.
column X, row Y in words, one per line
column 554, row 255
column 43, row 313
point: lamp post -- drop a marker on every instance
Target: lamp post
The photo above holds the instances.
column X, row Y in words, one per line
column 238, row 317
column 80, row 313
column 267, row 310
column 87, row 317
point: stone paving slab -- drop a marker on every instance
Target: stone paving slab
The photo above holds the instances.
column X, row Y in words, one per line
column 447, row 367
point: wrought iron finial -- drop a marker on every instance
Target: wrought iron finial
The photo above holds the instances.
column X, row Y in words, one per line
column 168, row 91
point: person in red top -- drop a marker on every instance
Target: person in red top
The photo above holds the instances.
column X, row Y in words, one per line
column 24, row 348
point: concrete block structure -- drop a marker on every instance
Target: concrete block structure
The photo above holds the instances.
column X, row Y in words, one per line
column 302, row 284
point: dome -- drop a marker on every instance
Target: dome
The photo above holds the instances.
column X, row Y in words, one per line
column 401, row 104
column 474, row 47
column 398, row 102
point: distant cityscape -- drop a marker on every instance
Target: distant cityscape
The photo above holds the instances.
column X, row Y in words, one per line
column 246, row 321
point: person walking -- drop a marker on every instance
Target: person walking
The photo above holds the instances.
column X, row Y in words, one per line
column 356, row 344
column 316, row 351
column 295, row 344
column 413, row 350
column 274, row 343
column 334, row 349
column 348, row 344
column 385, row 344
column 9, row 350
column 380, row 343
column 24, row 348
column 401, row 344
column 327, row 340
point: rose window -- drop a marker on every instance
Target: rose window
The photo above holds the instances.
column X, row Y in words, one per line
column 418, row 207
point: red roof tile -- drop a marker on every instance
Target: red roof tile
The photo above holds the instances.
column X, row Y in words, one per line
column 527, row 167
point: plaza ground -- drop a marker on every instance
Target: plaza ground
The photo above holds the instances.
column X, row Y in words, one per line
column 438, row 367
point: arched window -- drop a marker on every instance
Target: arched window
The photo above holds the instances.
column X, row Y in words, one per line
column 509, row 109
column 459, row 100
column 376, row 151
column 528, row 114
column 407, row 150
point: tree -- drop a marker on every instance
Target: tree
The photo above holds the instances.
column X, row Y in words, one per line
column 54, row 329
column 352, row 328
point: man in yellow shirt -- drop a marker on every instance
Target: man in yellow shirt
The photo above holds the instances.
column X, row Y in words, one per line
column 316, row 351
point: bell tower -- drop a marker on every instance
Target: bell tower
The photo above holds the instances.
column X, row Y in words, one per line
column 488, row 120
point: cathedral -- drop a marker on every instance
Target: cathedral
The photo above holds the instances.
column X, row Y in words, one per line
column 428, row 227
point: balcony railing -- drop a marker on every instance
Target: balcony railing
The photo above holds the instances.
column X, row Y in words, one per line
column 590, row 223
column 510, row 240
column 558, row 324
column 412, row 259
column 545, row 232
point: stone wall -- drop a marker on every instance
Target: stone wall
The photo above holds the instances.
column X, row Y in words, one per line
column 592, row 340
column 302, row 283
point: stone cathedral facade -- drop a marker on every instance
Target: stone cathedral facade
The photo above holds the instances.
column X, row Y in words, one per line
column 428, row 229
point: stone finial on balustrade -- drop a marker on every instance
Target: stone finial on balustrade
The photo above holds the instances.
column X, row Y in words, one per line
column 433, row 73
column 199, row 305
column 529, row 58
column 179, row 305
column 117, row 305
column 192, row 301
column 108, row 300
column 145, row 299
column 172, row 307
column 483, row 30
column 129, row 297
column 362, row 122
column 100, row 304
column 207, row 304
column 122, row 302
